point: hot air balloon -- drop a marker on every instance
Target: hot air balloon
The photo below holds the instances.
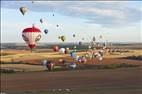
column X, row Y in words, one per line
column 55, row 48
column 63, row 38
column 23, row 10
column 72, row 65
column 41, row 20
column 101, row 36
column 53, row 15
column 82, row 38
column 46, row 31
column 80, row 43
column 67, row 50
column 59, row 37
column 73, row 35
column 57, row 25
column 31, row 36
column 50, row 65
column 94, row 39
column 62, row 50
column 72, row 54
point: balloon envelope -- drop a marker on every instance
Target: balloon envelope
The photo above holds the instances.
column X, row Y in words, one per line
column 23, row 10
column 63, row 38
column 73, row 35
column 62, row 50
column 45, row 31
column 55, row 48
column 31, row 36
column 41, row 20
column 72, row 65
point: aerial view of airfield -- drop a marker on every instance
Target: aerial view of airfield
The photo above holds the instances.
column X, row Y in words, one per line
column 71, row 47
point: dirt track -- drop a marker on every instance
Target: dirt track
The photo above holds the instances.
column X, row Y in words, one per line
column 120, row 78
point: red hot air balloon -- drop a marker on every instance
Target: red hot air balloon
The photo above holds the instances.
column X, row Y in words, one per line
column 31, row 36
column 55, row 48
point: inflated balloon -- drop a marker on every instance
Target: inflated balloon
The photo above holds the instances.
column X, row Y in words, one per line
column 72, row 54
column 80, row 43
column 63, row 38
column 83, row 59
column 55, row 48
column 62, row 50
column 67, row 50
column 41, row 20
column 50, row 65
column 73, row 35
column 72, row 65
column 46, row 31
column 101, row 36
column 23, row 10
column 94, row 39
column 59, row 37
column 100, row 58
column 44, row 62
column 101, row 52
column 89, row 47
column 31, row 36
column 57, row 25
column 61, row 61
column 77, row 58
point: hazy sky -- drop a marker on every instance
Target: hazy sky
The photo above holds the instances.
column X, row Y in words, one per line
column 116, row 21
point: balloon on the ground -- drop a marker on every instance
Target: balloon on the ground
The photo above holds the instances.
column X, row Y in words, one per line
column 50, row 65
column 23, row 10
column 62, row 50
column 44, row 62
column 67, row 50
column 31, row 35
column 72, row 54
column 55, row 48
column 72, row 65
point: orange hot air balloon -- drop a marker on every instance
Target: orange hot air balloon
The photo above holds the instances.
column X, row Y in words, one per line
column 31, row 35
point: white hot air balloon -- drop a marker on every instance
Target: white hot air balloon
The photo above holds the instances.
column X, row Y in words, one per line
column 23, row 10
column 62, row 50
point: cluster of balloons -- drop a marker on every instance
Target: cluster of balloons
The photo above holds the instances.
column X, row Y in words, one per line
column 33, row 34
column 48, row 64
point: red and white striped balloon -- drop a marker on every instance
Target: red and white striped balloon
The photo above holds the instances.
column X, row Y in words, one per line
column 31, row 36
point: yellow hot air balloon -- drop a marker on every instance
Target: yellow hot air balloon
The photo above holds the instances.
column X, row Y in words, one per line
column 63, row 38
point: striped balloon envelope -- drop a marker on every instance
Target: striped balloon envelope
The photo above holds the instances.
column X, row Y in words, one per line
column 31, row 36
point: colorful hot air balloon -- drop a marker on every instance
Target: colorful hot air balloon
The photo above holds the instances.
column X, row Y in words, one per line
column 23, row 10
column 31, row 36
